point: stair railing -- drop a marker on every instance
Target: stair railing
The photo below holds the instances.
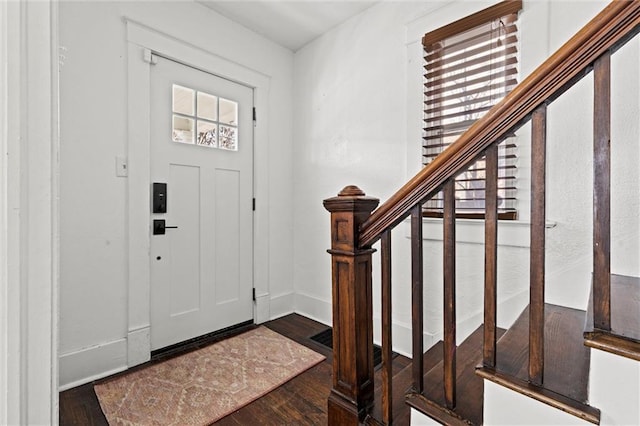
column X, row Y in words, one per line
column 356, row 226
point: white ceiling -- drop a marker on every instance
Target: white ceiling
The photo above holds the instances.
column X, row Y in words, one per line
column 291, row 24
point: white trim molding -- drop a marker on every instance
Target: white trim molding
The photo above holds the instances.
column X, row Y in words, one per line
column 28, row 213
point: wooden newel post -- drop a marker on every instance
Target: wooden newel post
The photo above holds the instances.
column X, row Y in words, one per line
column 352, row 392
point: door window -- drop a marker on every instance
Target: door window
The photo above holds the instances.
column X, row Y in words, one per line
column 204, row 119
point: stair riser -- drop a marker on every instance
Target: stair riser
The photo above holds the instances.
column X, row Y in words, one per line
column 613, row 390
column 419, row 419
column 506, row 407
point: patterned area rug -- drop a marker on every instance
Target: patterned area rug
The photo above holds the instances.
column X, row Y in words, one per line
column 203, row 386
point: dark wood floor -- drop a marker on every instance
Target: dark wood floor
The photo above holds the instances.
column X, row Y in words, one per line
column 301, row 401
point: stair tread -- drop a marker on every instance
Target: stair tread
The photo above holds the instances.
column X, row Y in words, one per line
column 624, row 337
column 566, row 366
column 469, row 386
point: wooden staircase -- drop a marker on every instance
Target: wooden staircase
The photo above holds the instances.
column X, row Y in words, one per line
column 566, row 374
column 546, row 354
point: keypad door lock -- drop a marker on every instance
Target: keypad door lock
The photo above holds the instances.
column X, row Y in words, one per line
column 159, row 227
column 159, row 198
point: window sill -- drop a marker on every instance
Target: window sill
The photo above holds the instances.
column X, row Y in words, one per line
column 511, row 233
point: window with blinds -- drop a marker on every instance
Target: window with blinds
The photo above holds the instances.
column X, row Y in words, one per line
column 470, row 65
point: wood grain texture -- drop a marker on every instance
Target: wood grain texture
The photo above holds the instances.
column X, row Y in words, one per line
column 567, row 365
column 566, row 362
column 490, row 257
column 611, row 28
column 614, row 344
column 469, row 386
column 437, row 412
column 624, row 337
column 496, row 11
column 417, row 304
column 401, row 376
column 80, row 406
column 449, row 291
column 602, row 192
column 387, row 343
column 537, row 263
column 301, row 401
column 352, row 393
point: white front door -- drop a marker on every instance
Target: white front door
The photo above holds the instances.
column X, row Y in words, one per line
column 202, row 149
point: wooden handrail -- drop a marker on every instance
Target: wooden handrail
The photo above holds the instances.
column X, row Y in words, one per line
column 611, row 28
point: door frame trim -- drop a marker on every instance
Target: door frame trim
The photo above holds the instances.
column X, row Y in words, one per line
column 29, row 212
column 142, row 40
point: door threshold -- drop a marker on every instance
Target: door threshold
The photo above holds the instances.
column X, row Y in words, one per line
column 195, row 343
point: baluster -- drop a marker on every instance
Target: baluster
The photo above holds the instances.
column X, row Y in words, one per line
column 536, row 298
column 490, row 256
column 387, row 367
column 601, row 193
column 449, row 223
column 417, row 365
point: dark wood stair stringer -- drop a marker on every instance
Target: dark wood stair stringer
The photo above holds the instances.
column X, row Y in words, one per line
column 624, row 337
column 566, row 374
column 470, row 388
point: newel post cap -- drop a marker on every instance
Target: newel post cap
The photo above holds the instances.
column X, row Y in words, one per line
column 353, row 199
column 351, row 191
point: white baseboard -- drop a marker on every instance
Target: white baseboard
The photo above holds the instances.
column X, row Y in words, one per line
column 320, row 310
column 138, row 346
column 314, row 308
column 83, row 366
column 508, row 311
column 281, row 305
column 402, row 338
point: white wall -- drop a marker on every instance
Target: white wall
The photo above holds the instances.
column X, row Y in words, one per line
column 357, row 120
column 94, row 300
column 349, row 128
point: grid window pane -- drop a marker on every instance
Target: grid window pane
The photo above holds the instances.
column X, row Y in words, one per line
column 182, row 129
column 207, row 134
column 183, row 100
column 207, row 106
column 228, row 138
column 228, row 112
